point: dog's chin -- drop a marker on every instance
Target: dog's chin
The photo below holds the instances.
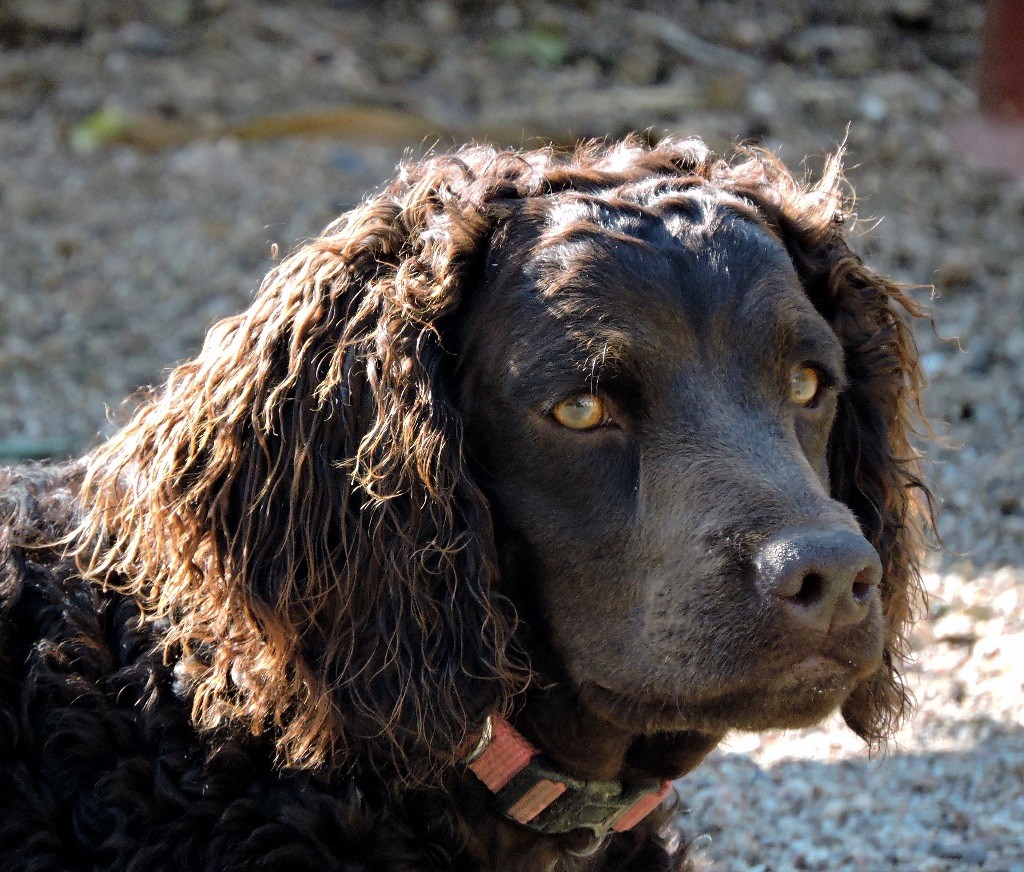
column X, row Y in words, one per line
column 802, row 695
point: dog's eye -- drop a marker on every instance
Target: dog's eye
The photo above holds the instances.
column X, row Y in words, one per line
column 805, row 384
column 580, row 412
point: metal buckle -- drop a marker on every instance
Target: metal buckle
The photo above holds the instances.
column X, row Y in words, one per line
column 485, row 739
column 592, row 805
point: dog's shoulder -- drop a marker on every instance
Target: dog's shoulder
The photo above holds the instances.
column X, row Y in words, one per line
column 40, row 497
column 98, row 754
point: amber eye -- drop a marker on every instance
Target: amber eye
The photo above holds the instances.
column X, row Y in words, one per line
column 581, row 412
column 805, row 383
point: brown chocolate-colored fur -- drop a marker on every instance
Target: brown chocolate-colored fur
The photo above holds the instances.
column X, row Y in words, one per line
column 262, row 622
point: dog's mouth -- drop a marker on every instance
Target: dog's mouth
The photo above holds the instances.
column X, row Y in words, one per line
column 799, row 696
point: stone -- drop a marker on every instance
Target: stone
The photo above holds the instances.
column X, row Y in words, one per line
column 61, row 18
column 913, row 13
column 965, row 853
column 849, row 51
column 144, row 39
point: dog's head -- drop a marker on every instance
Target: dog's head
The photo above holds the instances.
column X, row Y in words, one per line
column 635, row 418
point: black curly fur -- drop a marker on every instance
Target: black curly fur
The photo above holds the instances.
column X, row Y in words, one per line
column 102, row 767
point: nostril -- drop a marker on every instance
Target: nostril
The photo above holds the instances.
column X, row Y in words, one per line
column 811, row 589
column 863, row 582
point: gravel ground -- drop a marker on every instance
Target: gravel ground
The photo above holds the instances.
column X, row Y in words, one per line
column 116, row 256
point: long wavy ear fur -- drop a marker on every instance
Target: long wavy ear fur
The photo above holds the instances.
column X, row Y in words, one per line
column 293, row 505
column 873, row 466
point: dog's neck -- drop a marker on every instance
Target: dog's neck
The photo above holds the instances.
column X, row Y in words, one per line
column 588, row 746
column 493, row 842
column 532, row 791
column 583, row 747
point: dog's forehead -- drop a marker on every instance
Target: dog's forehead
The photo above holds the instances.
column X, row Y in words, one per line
column 646, row 209
column 661, row 281
column 690, row 258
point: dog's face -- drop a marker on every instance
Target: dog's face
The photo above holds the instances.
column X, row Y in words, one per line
column 648, row 397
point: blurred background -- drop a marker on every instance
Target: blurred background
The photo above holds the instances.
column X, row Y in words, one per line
column 153, row 151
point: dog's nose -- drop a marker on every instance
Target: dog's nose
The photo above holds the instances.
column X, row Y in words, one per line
column 821, row 578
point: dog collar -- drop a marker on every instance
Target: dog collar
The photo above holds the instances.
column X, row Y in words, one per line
column 530, row 791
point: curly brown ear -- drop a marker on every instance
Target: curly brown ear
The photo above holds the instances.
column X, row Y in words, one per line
column 294, row 507
column 873, row 466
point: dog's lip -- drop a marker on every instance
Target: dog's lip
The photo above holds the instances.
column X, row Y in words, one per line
column 818, row 673
column 808, row 668
column 817, row 670
column 815, row 664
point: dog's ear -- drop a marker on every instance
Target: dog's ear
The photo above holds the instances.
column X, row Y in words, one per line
column 294, row 509
column 874, row 468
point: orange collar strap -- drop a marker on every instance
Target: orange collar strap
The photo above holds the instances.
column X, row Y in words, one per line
column 530, row 791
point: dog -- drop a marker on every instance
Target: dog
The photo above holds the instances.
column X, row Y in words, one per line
column 508, row 497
